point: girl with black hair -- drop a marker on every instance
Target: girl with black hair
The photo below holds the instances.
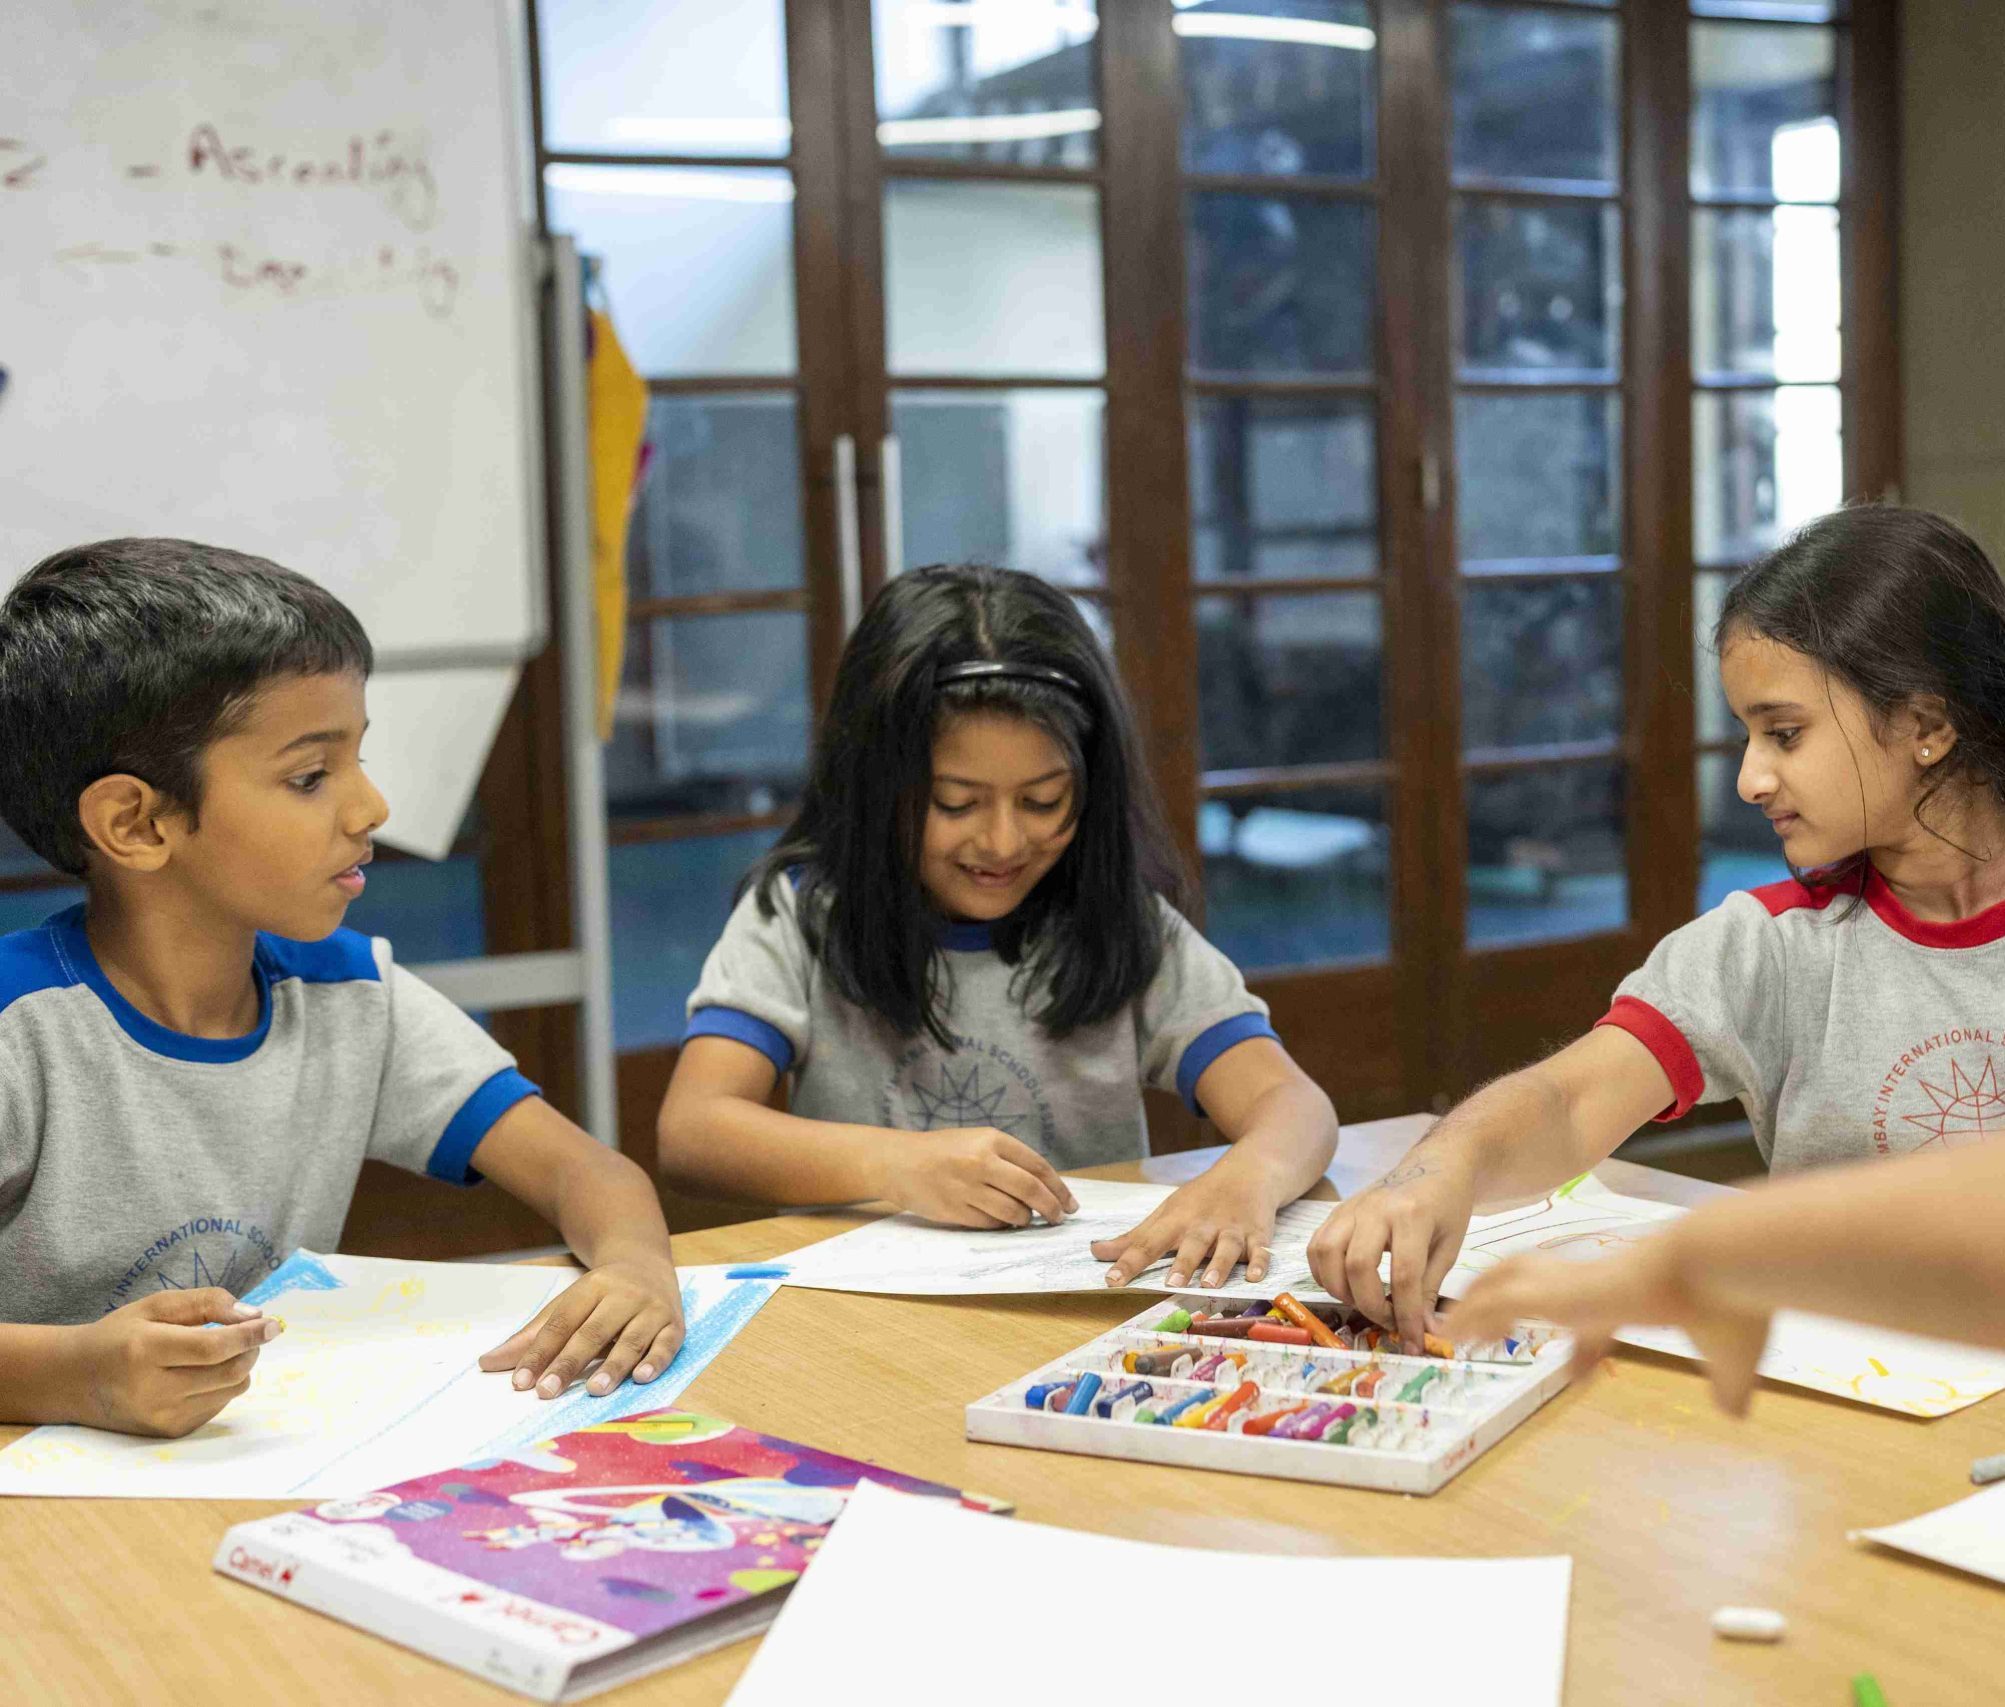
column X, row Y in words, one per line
column 966, row 954
column 1855, row 1011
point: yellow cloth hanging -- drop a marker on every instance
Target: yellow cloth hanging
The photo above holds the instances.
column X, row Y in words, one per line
column 617, row 401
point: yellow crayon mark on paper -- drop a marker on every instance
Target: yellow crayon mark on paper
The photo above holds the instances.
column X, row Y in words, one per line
column 1879, row 1368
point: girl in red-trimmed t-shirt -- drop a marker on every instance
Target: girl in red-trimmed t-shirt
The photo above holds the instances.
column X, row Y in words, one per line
column 1857, row 1010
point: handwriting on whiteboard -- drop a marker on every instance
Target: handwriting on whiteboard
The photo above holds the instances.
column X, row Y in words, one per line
column 392, row 166
column 383, row 161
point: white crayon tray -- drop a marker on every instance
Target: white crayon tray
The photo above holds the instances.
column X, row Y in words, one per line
column 1419, row 1420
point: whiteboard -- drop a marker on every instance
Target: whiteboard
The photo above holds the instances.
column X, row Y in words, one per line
column 266, row 281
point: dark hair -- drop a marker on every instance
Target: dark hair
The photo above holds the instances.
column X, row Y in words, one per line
column 1089, row 935
column 1901, row 605
column 133, row 655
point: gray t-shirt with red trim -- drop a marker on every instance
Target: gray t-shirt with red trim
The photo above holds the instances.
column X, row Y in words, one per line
column 1076, row 1100
column 134, row 1159
column 1847, row 1028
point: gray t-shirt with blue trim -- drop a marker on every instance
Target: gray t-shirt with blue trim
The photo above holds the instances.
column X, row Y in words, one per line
column 134, row 1159
column 1076, row 1100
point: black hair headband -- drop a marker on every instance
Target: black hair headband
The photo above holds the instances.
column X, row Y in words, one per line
column 1001, row 669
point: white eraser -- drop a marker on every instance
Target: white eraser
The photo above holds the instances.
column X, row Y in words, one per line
column 1750, row 1624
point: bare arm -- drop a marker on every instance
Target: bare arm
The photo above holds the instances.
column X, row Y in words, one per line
column 719, row 1135
column 1539, row 1127
column 1525, row 1133
column 1917, row 1244
column 39, row 1374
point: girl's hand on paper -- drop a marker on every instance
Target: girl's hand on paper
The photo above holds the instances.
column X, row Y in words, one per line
column 1207, row 1228
column 1643, row 1285
column 1419, row 1211
column 627, row 1310
column 974, row 1177
column 157, row 1367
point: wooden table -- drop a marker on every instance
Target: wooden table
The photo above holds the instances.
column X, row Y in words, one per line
column 1668, row 1508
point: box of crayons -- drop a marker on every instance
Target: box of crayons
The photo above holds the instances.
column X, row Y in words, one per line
column 1306, row 1391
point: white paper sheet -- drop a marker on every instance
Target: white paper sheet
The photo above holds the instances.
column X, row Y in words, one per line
column 919, row 1601
column 906, row 1254
column 1969, row 1535
column 375, row 1379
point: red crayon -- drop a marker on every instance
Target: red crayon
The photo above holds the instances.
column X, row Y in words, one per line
column 1278, row 1333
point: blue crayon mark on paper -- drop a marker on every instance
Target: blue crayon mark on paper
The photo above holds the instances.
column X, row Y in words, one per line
column 714, row 1315
column 300, row 1272
column 759, row 1271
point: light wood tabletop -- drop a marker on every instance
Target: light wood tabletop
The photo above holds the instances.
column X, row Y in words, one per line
column 1667, row 1508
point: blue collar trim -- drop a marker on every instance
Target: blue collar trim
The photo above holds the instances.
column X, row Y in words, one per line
column 967, row 937
column 74, row 945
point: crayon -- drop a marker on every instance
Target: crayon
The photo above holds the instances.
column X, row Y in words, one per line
column 1434, row 1346
column 1866, row 1691
column 1083, row 1395
column 1170, row 1413
column 1418, row 1385
column 1223, row 1327
column 1307, row 1425
column 1278, row 1333
column 1341, row 1415
column 1344, row 1382
column 1237, row 1400
column 1134, row 1393
column 1987, row 1470
column 1267, row 1421
column 1060, row 1397
column 1159, row 1360
column 1293, row 1311
column 1174, row 1323
column 1035, row 1397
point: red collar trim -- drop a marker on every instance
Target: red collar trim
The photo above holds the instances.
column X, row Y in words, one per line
column 1974, row 932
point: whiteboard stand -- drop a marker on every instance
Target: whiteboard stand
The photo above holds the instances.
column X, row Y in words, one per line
column 584, row 974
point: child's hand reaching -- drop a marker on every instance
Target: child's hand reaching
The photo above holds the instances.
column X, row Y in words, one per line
column 974, row 1177
column 1644, row 1285
column 627, row 1311
column 1221, row 1217
column 156, row 1367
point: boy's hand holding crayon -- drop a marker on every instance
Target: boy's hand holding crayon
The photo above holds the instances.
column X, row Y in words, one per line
column 158, row 1367
column 974, row 1176
column 626, row 1310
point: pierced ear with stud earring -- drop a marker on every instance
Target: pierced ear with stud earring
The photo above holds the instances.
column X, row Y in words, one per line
column 1924, row 752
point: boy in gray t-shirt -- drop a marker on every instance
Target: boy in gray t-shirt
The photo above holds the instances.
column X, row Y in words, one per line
column 195, row 1062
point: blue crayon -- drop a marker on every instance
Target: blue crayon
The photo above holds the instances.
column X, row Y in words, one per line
column 1081, row 1402
column 1034, row 1399
column 1135, row 1390
column 1172, row 1412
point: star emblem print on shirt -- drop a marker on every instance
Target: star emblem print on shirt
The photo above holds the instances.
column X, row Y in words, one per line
column 963, row 1101
column 1969, row 1107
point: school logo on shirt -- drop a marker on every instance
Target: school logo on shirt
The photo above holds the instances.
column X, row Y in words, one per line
column 980, row 1084
column 207, row 1250
column 1933, row 1097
